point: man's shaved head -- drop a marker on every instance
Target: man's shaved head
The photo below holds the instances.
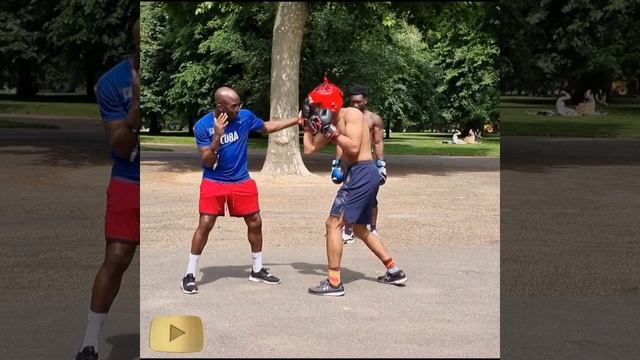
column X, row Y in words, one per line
column 225, row 93
column 227, row 101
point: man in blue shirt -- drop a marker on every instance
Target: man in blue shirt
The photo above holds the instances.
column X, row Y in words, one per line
column 118, row 93
column 222, row 137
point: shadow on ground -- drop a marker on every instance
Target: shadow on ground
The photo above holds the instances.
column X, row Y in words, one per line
column 214, row 273
column 125, row 347
column 87, row 146
column 185, row 159
column 542, row 154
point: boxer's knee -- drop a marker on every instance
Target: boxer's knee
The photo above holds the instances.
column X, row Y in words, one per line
column 254, row 221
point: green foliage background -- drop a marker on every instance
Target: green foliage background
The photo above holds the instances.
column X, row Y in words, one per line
column 575, row 44
column 62, row 46
column 428, row 66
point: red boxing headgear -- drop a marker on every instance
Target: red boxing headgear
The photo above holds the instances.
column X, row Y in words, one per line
column 328, row 95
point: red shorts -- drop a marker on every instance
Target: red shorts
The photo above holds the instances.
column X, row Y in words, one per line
column 122, row 220
column 241, row 198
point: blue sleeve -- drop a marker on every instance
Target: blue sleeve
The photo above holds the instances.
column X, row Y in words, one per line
column 112, row 107
column 255, row 123
column 202, row 134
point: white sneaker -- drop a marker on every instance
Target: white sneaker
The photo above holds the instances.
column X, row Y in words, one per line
column 348, row 238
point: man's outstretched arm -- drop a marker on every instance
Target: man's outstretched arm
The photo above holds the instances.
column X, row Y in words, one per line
column 277, row 125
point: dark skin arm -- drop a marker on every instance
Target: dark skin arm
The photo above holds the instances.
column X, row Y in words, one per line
column 121, row 133
column 208, row 153
column 273, row 126
column 378, row 144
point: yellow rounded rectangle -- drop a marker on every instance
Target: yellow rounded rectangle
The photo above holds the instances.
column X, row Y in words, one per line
column 182, row 334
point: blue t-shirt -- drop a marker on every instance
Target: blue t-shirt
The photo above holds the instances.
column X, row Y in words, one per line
column 114, row 92
column 232, row 154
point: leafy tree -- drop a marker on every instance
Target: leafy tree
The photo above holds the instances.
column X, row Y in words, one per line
column 156, row 63
column 283, row 150
column 579, row 43
column 394, row 49
column 22, row 42
column 90, row 35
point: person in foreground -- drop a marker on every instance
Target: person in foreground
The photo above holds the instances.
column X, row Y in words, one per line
column 118, row 93
column 222, row 139
column 326, row 121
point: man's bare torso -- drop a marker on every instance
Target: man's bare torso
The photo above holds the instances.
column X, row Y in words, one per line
column 364, row 152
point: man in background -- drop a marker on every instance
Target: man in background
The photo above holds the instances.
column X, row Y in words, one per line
column 360, row 100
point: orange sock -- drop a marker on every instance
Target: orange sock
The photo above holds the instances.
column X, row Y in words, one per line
column 389, row 263
column 334, row 276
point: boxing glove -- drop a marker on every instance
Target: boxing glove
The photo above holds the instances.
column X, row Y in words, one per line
column 306, row 109
column 382, row 170
column 337, row 176
column 328, row 129
column 314, row 124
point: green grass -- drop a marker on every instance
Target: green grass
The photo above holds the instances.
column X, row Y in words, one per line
column 431, row 144
column 9, row 124
column 49, row 108
column 153, row 148
column 622, row 120
column 399, row 144
column 163, row 139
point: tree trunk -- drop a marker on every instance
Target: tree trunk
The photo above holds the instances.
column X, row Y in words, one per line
column 387, row 128
column 191, row 124
column 26, row 87
column 154, row 123
column 283, row 150
column 90, row 80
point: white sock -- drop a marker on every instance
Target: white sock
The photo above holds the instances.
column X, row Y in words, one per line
column 257, row 261
column 193, row 264
column 94, row 327
column 393, row 270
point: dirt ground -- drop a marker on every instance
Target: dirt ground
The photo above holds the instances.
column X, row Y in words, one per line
column 427, row 200
column 439, row 217
column 53, row 198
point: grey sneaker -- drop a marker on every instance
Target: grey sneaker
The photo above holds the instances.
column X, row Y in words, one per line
column 325, row 288
column 263, row 276
column 188, row 284
column 395, row 278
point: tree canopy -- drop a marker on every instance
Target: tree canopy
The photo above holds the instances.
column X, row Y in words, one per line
column 62, row 46
column 427, row 65
column 568, row 43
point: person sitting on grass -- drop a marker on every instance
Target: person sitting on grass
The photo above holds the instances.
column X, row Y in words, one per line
column 588, row 105
column 471, row 138
column 561, row 108
column 601, row 97
column 457, row 140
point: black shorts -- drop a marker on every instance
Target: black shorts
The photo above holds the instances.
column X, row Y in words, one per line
column 357, row 196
